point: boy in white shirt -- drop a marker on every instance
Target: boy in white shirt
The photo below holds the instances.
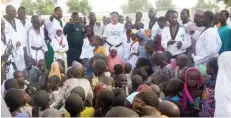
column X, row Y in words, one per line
column 175, row 38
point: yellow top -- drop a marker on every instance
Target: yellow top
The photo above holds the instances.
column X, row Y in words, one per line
column 102, row 50
column 88, row 112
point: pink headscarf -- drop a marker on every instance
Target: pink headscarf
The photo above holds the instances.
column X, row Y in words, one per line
column 114, row 61
column 186, row 95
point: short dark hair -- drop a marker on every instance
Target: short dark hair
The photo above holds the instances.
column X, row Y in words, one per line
column 121, row 112
column 11, row 83
column 120, row 97
column 74, row 104
column 118, row 69
column 162, row 18
column 226, row 13
column 127, row 67
column 139, row 13
column 173, row 12
column 21, row 8
column 57, row 8
column 187, row 11
column 209, row 16
column 80, row 91
column 101, row 66
column 15, row 73
column 106, row 97
column 114, row 13
column 14, row 99
column 41, row 99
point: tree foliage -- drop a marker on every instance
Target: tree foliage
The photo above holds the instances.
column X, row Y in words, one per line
column 201, row 4
column 227, row 2
column 44, row 7
column 29, row 5
column 136, row 5
column 164, row 5
column 81, row 6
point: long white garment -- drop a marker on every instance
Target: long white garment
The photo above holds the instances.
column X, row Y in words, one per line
column 207, row 46
column 10, row 68
column 18, row 35
column 134, row 49
column 27, row 25
column 38, row 41
column 182, row 35
column 53, row 26
column 115, row 35
column 126, row 45
column 60, row 50
column 87, row 49
column 222, row 88
column 155, row 29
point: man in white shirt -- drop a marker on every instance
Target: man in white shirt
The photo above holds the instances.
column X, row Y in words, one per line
column 36, row 45
column 55, row 22
column 96, row 26
column 175, row 38
column 22, row 17
column 15, row 29
column 209, row 41
column 114, row 34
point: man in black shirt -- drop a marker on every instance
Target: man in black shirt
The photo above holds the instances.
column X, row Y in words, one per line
column 75, row 33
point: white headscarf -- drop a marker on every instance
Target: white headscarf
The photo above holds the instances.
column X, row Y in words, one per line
column 223, row 86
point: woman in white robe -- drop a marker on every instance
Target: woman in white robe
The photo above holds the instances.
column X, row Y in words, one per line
column 60, row 46
column 222, row 88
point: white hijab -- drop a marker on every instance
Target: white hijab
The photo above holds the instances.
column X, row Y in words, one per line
column 223, row 86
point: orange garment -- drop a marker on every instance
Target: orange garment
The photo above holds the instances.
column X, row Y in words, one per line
column 101, row 49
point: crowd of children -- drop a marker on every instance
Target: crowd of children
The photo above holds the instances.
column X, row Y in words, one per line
column 114, row 89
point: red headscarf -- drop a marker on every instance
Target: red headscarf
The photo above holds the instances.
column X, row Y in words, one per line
column 114, row 61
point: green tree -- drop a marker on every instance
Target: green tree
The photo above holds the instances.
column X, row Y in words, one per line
column 28, row 4
column 81, row 6
column 44, row 7
column 227, row 2
column 164, row 5
column 136, row 5
column 201, row 4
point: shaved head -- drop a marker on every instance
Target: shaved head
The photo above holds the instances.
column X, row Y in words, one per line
column 10, row 11
column 169, row 109
column 77, row 70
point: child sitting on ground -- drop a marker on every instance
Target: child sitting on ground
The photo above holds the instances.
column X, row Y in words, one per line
column 52, row 88
column 120, row 97
column 41, row 99
column 88, row 111
column 174, row 87
column 191, row 99
column 169, row 109
column 97, row 42
column 44, row 74
column 169, row 58
column 127, row 71
column 74, row 105
column 14, row 100
column 136, row 82
column 208, row 100
column 101, row 80
column 104, row 102
column 118, row 68
column 122, row 83
column 164, row 68
column 181, row 61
